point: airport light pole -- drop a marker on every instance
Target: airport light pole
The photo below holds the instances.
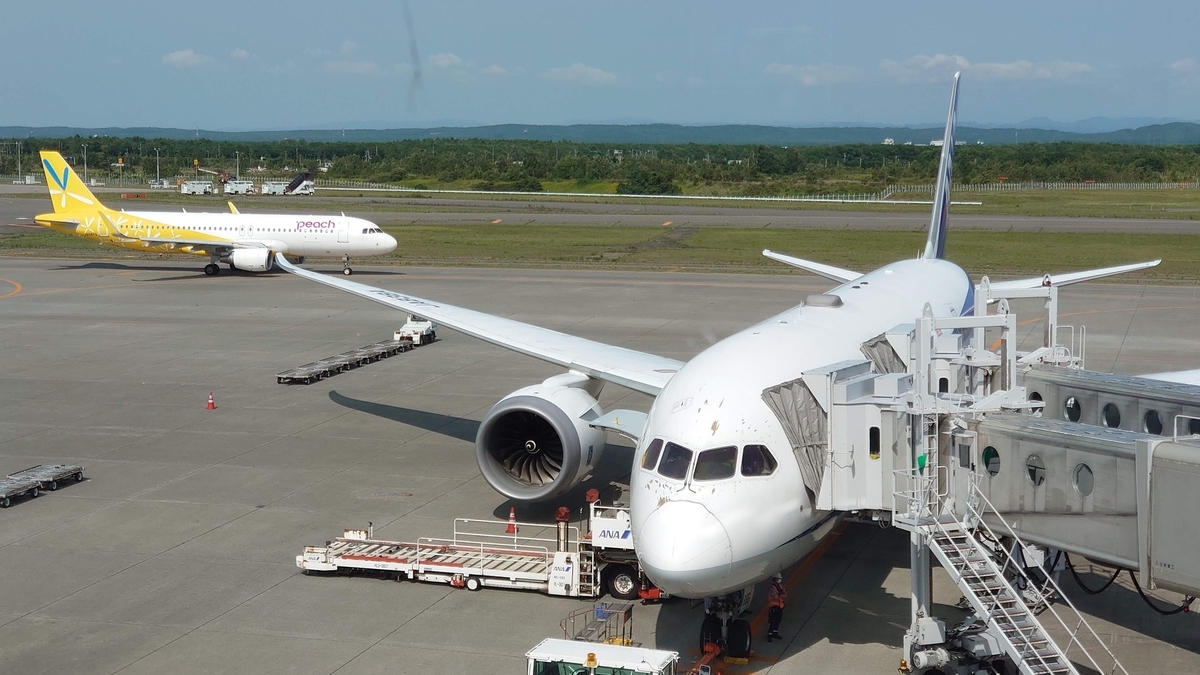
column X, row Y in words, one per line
column 85, row 163
column 19, row 176
column 237, row 171
column 157, row 174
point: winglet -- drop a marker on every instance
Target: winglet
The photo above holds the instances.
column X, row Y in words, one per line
column 828, row 271
column 232, row 208
column 935, row 246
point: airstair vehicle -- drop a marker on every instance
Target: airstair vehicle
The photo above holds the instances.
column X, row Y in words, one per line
column 983, row 453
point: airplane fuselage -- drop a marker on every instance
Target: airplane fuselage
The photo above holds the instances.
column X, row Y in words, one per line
column 301, row 235
column 699, row 537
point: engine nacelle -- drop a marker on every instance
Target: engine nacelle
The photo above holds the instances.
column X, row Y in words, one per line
column 252, row 259
column 536, row 443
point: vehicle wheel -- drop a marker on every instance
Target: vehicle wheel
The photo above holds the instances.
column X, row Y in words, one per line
column 300, row 260
column 433, row 336
column 622, row 582
column 53, row 485
column 739, row 639
column 212, row 270
column 710, row 630
column 79, row 476
column 5, row 503
column 34, row 493
column 347, row 271
column 474, row 584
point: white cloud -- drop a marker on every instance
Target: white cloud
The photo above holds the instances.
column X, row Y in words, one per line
column 578, row 73
column 939, row 67
column 445, row 60
column 811, row 76
column 352, row 67
column 348, row 47
column 239, row 54
column 1185, row 66
column 185, row 58
column 494, row 70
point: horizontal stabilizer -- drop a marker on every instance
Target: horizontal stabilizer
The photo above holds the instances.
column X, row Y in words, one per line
column 1071, row 277
column 828, row 271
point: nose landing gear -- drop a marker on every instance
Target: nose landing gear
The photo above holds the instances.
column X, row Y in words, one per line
column 722, row 627
column 346, row 266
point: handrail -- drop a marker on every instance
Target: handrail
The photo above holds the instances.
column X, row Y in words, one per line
column 986, row 504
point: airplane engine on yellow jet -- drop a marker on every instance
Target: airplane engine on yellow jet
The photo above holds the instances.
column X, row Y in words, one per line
column 536, row 443
column 252, row 259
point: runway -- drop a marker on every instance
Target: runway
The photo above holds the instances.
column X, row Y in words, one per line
column 396, row 211
column 176, row 555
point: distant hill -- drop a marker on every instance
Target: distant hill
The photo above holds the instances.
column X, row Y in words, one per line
column 1174, row 133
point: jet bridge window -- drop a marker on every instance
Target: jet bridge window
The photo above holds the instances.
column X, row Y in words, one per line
column 757, row 461
column 650, row 459
column 716, row 464
column 675, row 461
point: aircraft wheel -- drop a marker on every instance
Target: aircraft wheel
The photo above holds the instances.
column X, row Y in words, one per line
column 739, row 639
column 347, row 271
column 710, row 630
column 300, row 260
column 212, row 270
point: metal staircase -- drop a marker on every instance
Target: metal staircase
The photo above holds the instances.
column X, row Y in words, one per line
column 985, row 575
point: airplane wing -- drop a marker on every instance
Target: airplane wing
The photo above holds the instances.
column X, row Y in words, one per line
column 1191, row 377
column 828, row 271
column 1070, row 278
column 639, row 371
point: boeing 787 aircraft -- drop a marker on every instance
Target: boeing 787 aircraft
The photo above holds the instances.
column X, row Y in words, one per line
column 720, row 498
column 243, row 241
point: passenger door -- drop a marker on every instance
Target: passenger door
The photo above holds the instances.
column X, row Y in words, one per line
column 343, row 232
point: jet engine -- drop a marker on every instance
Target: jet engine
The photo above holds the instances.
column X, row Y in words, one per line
column 251, row 259
column 536, row 443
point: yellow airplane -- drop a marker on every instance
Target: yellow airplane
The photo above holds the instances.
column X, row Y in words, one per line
column 243, row 241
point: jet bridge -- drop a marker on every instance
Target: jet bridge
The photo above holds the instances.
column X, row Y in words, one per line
column 979, row 451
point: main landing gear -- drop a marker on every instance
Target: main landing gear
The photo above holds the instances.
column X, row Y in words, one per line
column 346, row 266
column 723, row 627
column 212, row 270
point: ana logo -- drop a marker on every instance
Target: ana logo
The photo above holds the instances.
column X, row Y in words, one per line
column 615, row 534
column 61, row 182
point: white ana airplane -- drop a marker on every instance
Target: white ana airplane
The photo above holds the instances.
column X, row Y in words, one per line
column 718, row 495
column 244, row 241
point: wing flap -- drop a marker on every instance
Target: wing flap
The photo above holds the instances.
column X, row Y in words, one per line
column 639, row 371
column 828, row 271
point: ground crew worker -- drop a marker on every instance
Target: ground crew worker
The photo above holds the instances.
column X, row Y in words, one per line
column 776, row 595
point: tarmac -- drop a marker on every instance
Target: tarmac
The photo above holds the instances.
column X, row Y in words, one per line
column 177, row 553
column 18, row 207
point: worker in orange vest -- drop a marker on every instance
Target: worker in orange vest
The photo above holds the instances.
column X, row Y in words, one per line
column 776, row 595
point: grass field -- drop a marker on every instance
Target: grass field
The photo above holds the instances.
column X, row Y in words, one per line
column 732, row 249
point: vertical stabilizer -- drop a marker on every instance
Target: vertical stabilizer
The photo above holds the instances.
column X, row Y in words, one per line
column 67, row 191
column 935, row 246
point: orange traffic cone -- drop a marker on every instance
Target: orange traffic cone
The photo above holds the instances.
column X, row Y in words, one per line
column 212, row 405
column 512, row 521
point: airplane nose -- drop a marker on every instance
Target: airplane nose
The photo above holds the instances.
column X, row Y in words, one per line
column 684, row 549
column 390, row 245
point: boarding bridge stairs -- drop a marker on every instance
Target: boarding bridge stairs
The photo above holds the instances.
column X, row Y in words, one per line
column 1040, row 639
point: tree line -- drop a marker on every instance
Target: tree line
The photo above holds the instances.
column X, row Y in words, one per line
column 637, row 169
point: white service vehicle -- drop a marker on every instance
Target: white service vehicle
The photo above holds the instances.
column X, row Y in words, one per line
column 239, row 187
column 419, row 331
column 554, row 656
column 551, row 558
column 160, row 184
column 274, row 188
column 196, row 187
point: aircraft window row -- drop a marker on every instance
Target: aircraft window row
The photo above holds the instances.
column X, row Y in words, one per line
column 372, row 230
column 673, row 461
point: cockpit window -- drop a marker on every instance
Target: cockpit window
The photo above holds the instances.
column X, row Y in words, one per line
column 675, row 461
column 650, row 459
column 757, row 461
column 716, row 464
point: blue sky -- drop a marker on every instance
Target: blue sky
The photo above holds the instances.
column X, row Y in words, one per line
column 302, row 64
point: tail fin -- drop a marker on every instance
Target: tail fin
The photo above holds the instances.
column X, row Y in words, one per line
column 935, row 246
column 67, row 191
